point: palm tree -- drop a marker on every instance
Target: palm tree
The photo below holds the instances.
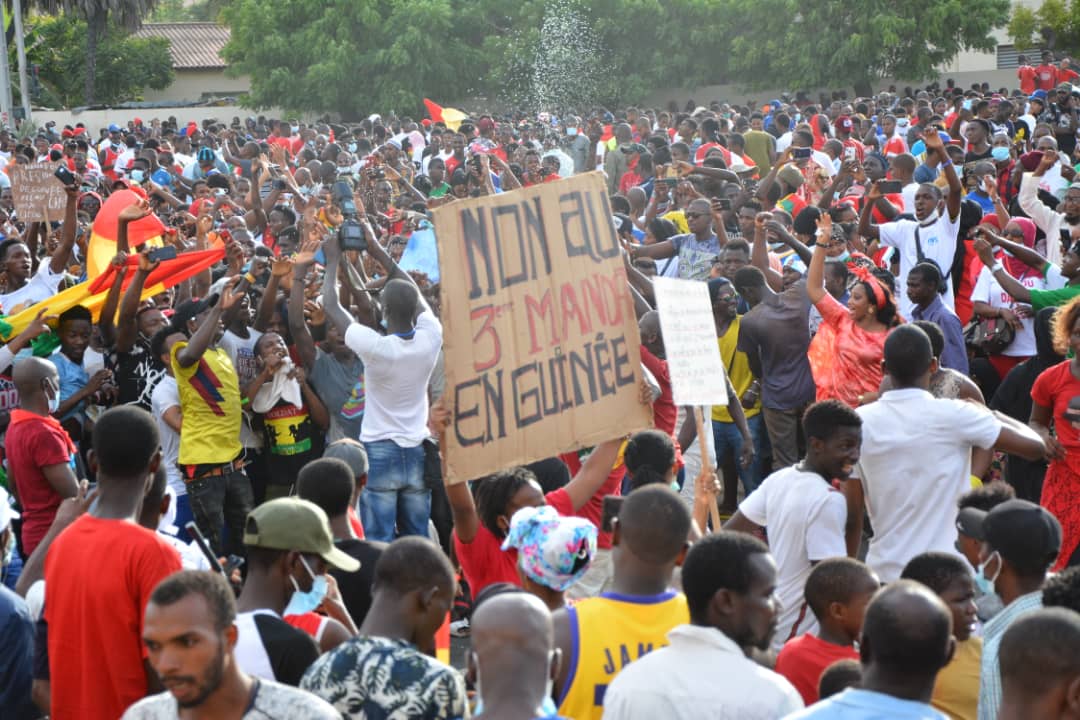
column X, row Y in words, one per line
column 127, row 13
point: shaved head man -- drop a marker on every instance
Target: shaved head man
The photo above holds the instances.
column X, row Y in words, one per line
column 39, row 452
column 513, row 656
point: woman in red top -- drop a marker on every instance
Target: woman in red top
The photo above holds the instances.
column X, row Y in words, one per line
column 847, row 351
column 482, row 517
column 1056, row 395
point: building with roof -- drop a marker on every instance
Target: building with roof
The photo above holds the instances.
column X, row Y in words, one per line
column 196, row 55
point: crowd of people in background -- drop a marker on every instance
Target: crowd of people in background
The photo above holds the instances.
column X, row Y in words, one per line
column 226, row 499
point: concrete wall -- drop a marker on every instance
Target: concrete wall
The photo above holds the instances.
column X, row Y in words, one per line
column 95, row 119
column 195, row 85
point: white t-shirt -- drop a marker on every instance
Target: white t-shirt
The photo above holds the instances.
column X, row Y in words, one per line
column 681, row 681
column 908, row 194
column 41, row 286
column 988, row 290
column 396, row 373
column 165, row 396
column 805, row 517
column 915, row 465
column 938, row 244
column 783, row 142
column 242, row 353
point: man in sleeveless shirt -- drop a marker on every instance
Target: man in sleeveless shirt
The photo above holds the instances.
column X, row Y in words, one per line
column 601, row 635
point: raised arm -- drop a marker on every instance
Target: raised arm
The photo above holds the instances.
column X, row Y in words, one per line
column 593, row 473
column 335, row 313
column 127, row 330
column 1008, row 283
column 298, row 328
column 815, row 273
column 108, row 309
column 201, row 338
column 759, row 252
column 59, row 261
column 867, row 229
column 935, row 146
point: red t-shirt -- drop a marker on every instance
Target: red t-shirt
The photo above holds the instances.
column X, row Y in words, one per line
column 354, row 521
column 100, row 574
column 32, row 443
column 484, row 562
column 804, row 658
column 1046, row 77
column 1054, row 388
column 1026, row 73
column 664, row 411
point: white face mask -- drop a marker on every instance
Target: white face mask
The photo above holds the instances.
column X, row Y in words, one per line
column 932, row 218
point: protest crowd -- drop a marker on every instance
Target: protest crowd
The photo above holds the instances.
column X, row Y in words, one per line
column 286, row 406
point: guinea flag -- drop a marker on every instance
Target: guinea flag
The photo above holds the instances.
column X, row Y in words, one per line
column 451, row 117
column 103, row 234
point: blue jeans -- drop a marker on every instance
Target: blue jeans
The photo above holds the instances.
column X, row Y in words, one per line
column 395, row 493
column 728, row 439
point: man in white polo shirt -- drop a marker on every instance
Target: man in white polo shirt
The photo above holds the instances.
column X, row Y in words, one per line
column 397, row 367
column 916, row 458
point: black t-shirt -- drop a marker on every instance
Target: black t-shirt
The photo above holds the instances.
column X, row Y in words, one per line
column 276, row 644
column 136, row 372
column 355, row 587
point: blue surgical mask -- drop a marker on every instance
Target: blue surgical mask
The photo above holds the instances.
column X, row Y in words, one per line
column 985, row 584
column 352, row 147
column 302, row 602
column 138, row 176
column 1000, row 153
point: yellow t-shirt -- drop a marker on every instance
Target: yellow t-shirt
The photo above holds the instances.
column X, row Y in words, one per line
column 610, row 632
column 210, row 403
column 956, row 692
column 738, row 369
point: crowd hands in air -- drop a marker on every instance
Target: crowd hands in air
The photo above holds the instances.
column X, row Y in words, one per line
column 895, row 286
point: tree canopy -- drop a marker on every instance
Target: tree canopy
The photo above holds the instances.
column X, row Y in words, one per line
column 1056, row 23
column 361, row 56
column 126, row 65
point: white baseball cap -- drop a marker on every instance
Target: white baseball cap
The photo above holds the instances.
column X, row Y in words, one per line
column 7, row 513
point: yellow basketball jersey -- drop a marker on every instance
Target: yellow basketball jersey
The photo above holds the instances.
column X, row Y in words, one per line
column 607, row 634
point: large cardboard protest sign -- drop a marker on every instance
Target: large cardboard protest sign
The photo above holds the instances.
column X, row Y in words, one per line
column 693, row 355
column 38, row 194
column 541, row 341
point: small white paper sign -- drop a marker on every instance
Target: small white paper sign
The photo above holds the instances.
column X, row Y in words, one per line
column 693, row 355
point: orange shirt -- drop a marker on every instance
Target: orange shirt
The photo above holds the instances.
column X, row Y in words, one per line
column 99, row 575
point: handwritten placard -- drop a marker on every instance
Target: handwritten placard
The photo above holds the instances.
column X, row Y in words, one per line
column 38, row 194
column 541, row 342
column 693, row 355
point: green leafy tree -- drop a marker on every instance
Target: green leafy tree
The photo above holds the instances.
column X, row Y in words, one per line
column 349, row 56
column 830, row 43
column 98, row 14
column 126, row 65
column 1055, row 23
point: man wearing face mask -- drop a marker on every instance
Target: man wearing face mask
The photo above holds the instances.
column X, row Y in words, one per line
column 387, row 671
column 40, row 454
column 730, row 584
column 1021, row 542
column 933, row 233
column 289, row 548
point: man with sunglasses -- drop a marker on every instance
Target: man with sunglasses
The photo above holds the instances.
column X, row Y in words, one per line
column 696, row 249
